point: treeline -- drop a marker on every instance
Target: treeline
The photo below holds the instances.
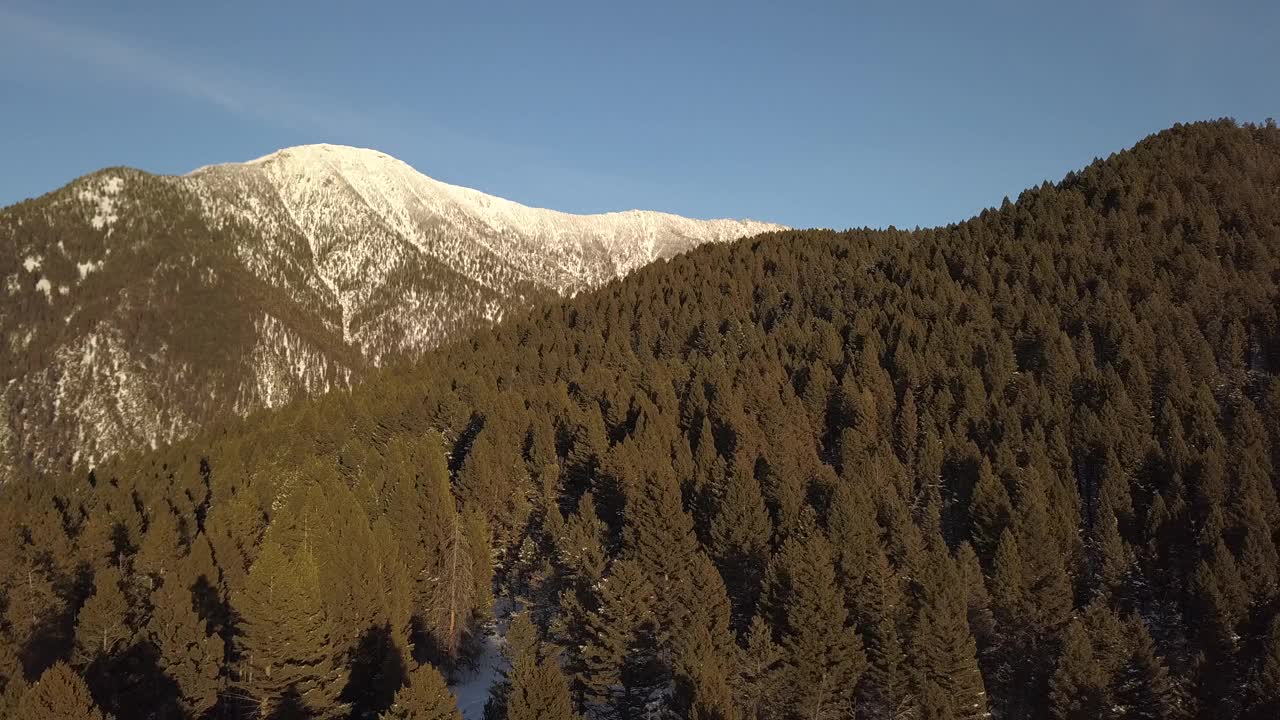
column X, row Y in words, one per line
column 1020, row 467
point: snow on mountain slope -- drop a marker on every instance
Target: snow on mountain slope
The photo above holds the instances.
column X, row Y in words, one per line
column 362, row 211
column 138, row 307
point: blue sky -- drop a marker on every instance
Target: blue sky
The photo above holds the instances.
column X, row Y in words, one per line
column 812, row 114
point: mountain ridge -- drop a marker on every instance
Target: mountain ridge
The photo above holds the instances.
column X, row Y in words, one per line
column 292, row 273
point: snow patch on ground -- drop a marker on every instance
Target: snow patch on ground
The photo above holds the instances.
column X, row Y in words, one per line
column 285, row 367
column 8, row 443
column 32, row 263
column 472, row 688
column 103, row 198
column 86, row 268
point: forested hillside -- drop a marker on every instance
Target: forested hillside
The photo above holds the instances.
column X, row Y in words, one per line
column 1024, row 466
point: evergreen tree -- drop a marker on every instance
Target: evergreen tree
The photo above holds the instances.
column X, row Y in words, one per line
column 991, row 509
column 823, row 658
column 33, row 602
column 285, row 647
column 187, row 653
column 740, row 533
column 703, row 678
column 623, row 674
column 1144, row 690
column 659, row 538
column 101, row 625
column 12, row 682
column 759, row 676
column 580, row 559
column 977, row 600
column 479, row 543
column 941, row 647
column 162, row 548
column 535, row 688
column 1264, row 688
column 454, row 586
column 59, row 694
column 1080, row 687
column 425, row 697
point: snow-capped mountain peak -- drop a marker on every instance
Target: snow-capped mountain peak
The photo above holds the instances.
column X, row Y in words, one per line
column 260, row 281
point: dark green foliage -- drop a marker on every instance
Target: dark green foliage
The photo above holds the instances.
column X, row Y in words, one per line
column 188, row 654
column 102, row 623
column 425, row 697
column 942, row 655
column 534, row 687
column 1144, row 689
column 286, row 647
column 623, row 672
column 822, row 658
column 59, row 694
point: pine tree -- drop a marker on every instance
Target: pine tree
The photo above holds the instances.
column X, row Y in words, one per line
column 991, row 510
column 479, row 543
column 1263, row 693
column 453, row 594
column 740, row 533
column 659, row 538
column 422, row 512
column 1044, row 571
column 535, row 688
column 101, row 625
column 906, row 430
column 1110, row 558
column 941, row 648
column 1080, row 686
column 396, row 591
column 873, row 595
column 580, row 560
column 425, row 697
column 759, row 676
column 12, row 682
column 1144, row 690
column 59, row 694
column 622, row 670
column 336, row 533
column 1009, row 588
column 823, row 657
column 188, row 654
column 33, row 602
column 286, row 642
column 711, row 610
column 580, row 552
column 161, row 549
column 977, row 600
column 703, row 678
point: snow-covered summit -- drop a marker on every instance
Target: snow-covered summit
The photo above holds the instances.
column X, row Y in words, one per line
column 363, row 214
column 404, row 198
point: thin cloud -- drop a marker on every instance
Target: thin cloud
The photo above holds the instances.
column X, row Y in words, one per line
column 111, row 55
column 414, row 136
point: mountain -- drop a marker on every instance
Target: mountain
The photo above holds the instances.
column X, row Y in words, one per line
column 1022, row 466
column 138, row 306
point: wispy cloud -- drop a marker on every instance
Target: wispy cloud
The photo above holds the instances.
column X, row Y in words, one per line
column 528, row 173
column 126, row 60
